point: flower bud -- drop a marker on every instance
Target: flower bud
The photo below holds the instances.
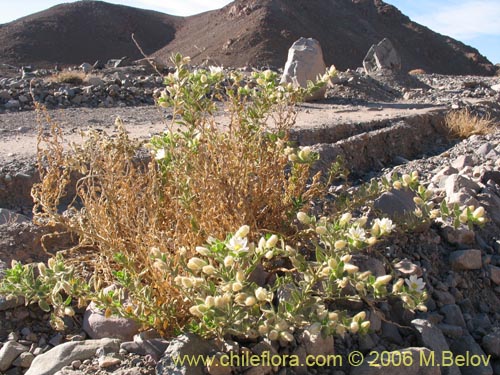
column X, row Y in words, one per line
column 321, row 230
column 359, row 316
column 242, row 232
column 202, row 250
column 287, row 336
column 42, row 270
column 195, row 310
column 240, row 276
column 382, row 280
column 478, row 212
column 332, row 263
column 250, row 301
column 272, row 241
column 345, row 218
column 210, row 301
column 397, row 185
column 346, row 258
column 261, row 294
column 340, row 244
column 68, row 310
column 365, row 325
column 209, row 270
column 397, row 286
column 418, row 201
column 350, row 268
column 196, row 264
column 406, row 179
column 303, row 218
column 228, row 261
column 354, row 327
column 269, row 254
column 237, row 286
column 273, row 335
column 154, row 252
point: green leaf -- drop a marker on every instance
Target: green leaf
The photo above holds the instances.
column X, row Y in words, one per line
column 44, row 305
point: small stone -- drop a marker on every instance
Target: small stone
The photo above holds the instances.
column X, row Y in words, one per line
column 494, row 273
column 108, row 361
column 491, row 343
column 466, row 259
column 463, row 161
column 456, row 182
column 24, row 360
column 9, row 352
column 76, row 364
column 453, row 315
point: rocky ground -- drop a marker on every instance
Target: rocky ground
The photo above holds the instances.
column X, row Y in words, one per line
column 461, row 268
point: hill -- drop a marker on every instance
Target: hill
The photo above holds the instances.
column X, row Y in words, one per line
column 245, row 32
column 259, row 32
column 84, row 31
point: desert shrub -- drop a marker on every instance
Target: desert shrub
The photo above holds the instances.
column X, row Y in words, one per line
column 70, row 77
column 140, row 221
column 463, row 124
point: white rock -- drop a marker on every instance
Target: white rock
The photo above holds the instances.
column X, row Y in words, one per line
column 64, row 354
column 9, row 352
column 305, row 62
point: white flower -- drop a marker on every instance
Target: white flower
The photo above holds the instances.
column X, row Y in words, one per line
column 160, row 154
column 385, row 225
column 238, row 244
column 415, row 284
column 215, row 69
column 357, row 234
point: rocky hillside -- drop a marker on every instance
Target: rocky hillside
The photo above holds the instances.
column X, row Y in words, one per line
column 84, row 31
column 245, row 32
column 259, row 32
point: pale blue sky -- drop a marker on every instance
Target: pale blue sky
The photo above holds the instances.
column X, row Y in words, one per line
column 474, row 22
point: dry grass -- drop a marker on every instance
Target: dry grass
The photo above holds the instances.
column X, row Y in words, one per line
column 69, row 76
column 416, row 72
column 463, row 124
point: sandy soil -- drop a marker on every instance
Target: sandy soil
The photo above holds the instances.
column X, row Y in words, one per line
column 18, row 131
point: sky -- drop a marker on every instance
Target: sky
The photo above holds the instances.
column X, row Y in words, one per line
column 474, row 22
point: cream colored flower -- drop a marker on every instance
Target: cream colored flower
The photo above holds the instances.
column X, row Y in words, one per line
column 228, row 261
column 209, row 270
column 160, row 154
column 261, row 294
column 242, row 232
column 385, row 226
column 303, row 218
column 238, row 244
column 356, row 234
column 354, row 327
column 416, row 284
column 340, row 244
column 272, row 241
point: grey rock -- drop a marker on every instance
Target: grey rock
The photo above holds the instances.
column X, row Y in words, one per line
column 466, row 259
column 396, row 203
column 453, row 315
column 406, row 268
column 463, row 161
column 108, row 361
column 95, row 81
column 97, row 326
column 153, row 347
column 305, row 62
column 440, row 177
column 417, row 366
column 491, row 203
column 382, row 56
column 491, row 343
column 86, row 68
column 316, row 344
column 9, row 352
column 184, row 345
column 367, row 263
column 11, row 104
column 467, row 346
column 462, row 198
column 459, row 236
column 64, row 354
column 390, row 332
column 432, row 338
column 456, row 182
column 4, row 94
column 451, row 330
column 24, row 360
column 8, row 304
column 494, row 273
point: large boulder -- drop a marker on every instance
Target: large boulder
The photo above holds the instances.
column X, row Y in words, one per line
column 305, row 62
column 382, row 56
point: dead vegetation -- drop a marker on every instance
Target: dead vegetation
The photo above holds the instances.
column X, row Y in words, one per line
column 464, row 123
